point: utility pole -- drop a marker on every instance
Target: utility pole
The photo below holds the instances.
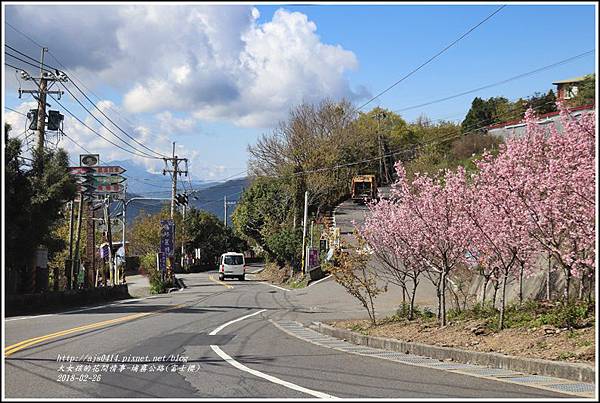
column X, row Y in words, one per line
column 76, row 256
column 69, row 273
column 225, row 204
column 304, row 231
column 111, row 266
column 384, row 176
column 40, row 94
column 175, row 171
column 184, row 208
column 41, row 115
column 174, row 187
column 124, row 217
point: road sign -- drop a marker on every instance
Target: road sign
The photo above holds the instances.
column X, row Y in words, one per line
column 80, row 170
column 83, row 179
column 108, row 170
column 117, row 188
column 89, row 159
column 85, row 188
column 106, row 179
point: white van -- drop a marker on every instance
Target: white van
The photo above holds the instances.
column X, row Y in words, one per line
column 232, row 264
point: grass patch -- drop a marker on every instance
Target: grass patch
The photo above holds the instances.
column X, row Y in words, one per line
column 566, row 355
column 530, row 314
column 297, row 282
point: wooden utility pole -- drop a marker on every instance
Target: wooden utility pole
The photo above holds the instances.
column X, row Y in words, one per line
column 41, row 115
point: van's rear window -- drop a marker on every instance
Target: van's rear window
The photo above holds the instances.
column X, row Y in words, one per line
column 235, row 260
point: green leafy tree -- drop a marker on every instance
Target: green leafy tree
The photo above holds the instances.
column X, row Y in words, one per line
column 285, row 245
column 34, row 201
column 262, row 211
column 205, row 231
column 144, row 234
column 19, row 245
column 486, row 112
column 586, row 92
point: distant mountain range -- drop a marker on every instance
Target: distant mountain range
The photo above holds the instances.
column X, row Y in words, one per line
column 140, row 181
column 205, row 195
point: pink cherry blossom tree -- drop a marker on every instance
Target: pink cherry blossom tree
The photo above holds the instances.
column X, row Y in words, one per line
column 389, row 231
column 439, row 235
column 545, row 182
column 499, row 231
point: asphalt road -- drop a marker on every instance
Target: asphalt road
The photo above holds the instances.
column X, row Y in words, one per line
column 223, row 338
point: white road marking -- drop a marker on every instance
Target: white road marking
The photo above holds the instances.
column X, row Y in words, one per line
column 228, row 359
column 268, row 377
column 217, row 330
column 318, row 281
column 76, row 310
column 273, row 285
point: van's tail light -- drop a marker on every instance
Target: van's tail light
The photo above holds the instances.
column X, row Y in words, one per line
column 222, row 268
column 244, row 267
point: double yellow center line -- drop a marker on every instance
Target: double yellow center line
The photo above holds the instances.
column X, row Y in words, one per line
column 37, row 340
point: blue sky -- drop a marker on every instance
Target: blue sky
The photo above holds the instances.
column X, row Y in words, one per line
column 391, row 40
column 208, row 111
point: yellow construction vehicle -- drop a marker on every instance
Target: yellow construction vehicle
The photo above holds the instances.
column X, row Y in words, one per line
column 364, row 188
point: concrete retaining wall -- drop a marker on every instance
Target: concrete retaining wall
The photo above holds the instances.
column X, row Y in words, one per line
column 576, row 372
column 24, row 304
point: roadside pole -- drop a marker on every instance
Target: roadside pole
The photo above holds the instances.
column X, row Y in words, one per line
column 109, row 240
column 225, row 210
column 304, row 231
column 78, row 238
column 174, row 187
column 69, row 274
column 183, row 240
column 124, row 217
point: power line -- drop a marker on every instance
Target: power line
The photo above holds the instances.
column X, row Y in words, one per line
column 26, row 62
column 73, row 76
column 145, row 154
column 431, row 58
column 95, row 132
column 92, row 102
column 25, row 35
column 27, row 56
column 11, row 66
column 11, row 109
column 76, row 143
column 496, row 83
column 117, row 126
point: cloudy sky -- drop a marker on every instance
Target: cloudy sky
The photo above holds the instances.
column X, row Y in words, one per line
column 212, row 78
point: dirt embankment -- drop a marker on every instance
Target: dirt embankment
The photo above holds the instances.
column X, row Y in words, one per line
column 544, row 342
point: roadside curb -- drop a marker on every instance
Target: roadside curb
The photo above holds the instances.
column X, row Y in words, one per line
column 571, row 371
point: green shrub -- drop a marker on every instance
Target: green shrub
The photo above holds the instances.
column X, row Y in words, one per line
column 402, row 313
column 569, row 315
column 148, row 265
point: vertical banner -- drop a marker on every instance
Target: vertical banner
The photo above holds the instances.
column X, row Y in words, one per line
column 167, row 237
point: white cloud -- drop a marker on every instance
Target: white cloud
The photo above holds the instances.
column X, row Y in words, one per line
column 216, row 62
column 170, row 124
